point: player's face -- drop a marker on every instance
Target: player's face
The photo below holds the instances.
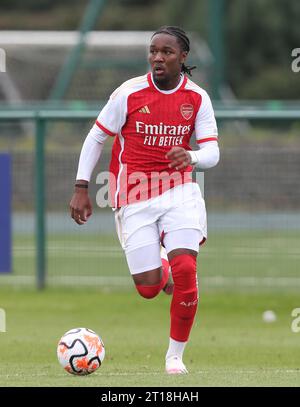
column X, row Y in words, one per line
column 166, row 59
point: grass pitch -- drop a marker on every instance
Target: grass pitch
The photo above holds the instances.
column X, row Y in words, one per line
column 230, row 344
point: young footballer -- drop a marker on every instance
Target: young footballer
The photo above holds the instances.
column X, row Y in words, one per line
column 160, row 213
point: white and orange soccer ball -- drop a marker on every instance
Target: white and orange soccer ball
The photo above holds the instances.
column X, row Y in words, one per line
column 80, row 351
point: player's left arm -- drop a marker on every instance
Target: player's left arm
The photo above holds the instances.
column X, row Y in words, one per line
column 206, row 157
column 206, row 132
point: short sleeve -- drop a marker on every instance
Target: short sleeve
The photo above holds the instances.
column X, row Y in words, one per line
column 113, row 116
column 205, row 124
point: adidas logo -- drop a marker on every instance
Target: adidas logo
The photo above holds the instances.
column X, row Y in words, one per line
column 145, row 109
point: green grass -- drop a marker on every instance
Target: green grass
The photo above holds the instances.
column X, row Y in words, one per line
column 230, row 344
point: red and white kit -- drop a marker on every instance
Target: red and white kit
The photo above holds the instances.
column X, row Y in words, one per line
column 146, row 123
column 150, row 199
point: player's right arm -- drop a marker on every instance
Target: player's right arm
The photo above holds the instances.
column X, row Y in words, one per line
column 80, row 205
column 108, row 123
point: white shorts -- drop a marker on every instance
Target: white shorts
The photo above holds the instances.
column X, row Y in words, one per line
column 145, row 224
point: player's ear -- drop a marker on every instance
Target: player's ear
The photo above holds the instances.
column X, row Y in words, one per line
column 183, row 57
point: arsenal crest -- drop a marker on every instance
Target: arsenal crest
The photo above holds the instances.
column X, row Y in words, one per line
column 187, row 111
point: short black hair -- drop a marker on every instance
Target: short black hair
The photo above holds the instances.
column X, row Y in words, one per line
column 182, row 39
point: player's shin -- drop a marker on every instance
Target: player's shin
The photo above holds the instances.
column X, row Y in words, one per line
column 185, row 297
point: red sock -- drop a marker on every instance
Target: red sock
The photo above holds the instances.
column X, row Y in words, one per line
column 185, row 296
column 151, row 291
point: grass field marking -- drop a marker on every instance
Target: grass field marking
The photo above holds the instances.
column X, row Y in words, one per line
column 86, row 246
column 119, row 281
column 81, row 248
column 116, row 251
column 295, row 327
column 18, row 280
column 117, row 255
column 66, row 255
column 215, row 281
column 159, row 373
column 67, row 251
column 64, row 252
column 2, row 320
column 4, row 375
column 249, row 281
column 72, row 248
column 125, row 281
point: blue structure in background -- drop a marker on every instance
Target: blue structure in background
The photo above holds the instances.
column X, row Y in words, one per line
column 5, row 213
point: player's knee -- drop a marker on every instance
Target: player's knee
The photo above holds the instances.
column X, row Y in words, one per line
column 184, row 272
column 148, row 283
column 148, row 291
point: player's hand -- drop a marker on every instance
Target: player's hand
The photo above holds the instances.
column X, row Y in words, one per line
column 80, row 207
column 179, row 158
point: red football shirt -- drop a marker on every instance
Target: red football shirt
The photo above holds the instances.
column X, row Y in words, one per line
column 147, row 123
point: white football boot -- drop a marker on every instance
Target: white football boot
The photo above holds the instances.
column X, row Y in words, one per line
column 175, row 365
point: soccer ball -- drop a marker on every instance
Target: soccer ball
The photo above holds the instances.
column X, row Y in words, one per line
column 269, row 316
column 80, row 351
